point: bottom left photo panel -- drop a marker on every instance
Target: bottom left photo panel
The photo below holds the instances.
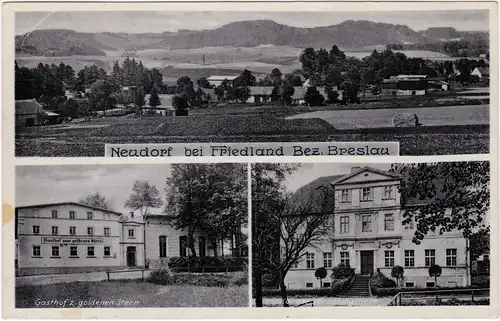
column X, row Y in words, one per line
column 145, row 235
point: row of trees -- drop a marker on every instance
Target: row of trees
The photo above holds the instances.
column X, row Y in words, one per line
column 472, row 47
column 283, row 226
column 208, row 198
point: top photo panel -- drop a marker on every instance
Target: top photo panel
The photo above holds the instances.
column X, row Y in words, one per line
column 84, row 79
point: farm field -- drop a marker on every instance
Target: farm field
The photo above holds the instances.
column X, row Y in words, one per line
column 260, row 59
column 378, row 118
column 130, row 294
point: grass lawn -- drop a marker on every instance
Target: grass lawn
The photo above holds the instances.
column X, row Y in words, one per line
column 128, row 294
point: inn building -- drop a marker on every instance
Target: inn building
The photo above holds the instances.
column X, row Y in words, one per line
column 70, row 237
column 369, row 236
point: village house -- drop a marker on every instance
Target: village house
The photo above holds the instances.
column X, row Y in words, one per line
column 405, row 85
column 483, row 73
column 216, row 80
column 164, row 109
column 369, row 236
column 30, row 113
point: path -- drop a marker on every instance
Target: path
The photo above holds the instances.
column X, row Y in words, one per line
column 72, row 277
column 379, row 118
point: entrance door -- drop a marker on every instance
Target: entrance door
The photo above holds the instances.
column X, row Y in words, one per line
column 366, row 262
column 131, row 256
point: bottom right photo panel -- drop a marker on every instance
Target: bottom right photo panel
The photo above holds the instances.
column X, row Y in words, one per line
column 370, row 234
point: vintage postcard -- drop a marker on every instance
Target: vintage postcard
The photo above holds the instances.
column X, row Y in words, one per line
column 418, row 78
column 250, row 160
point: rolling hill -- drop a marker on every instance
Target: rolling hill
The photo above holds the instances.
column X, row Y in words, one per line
column 348, row 35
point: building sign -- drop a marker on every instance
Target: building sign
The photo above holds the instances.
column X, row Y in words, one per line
column 71, row 240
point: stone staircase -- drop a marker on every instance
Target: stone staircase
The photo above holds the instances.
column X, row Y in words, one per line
column 359, row 288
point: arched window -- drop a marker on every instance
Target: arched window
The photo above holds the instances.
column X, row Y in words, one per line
column 163, row 246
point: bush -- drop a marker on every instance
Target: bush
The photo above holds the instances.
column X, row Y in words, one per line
column 166, row 277
column 341, row 272
column 339, row 286
column 207, row 264
column 380, row 281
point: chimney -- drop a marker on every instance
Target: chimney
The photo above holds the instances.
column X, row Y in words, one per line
column 355, row 169
column 131, row 214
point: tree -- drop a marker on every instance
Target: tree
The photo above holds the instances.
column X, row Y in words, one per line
column 320, row 274
column 313, row 97
column 397, row 272
column 139, row 99
column 207, row 197
column 143, row 197
column 435, row 272
column 308, row 60
column 154, row 99
column 203, row 83
column 245, row 79
column 180, row 104
column 332, row 95
column 287, row 92
column 275, row 94
column 449, row 196
column 97, row 200
column 277, row 213
column 242, row 94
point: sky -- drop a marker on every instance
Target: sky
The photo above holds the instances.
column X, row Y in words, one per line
column 309, row 172
column 70, row 183
column 160, row 21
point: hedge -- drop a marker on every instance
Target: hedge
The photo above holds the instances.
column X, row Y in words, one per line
column 207, row 264
column 298, row 292
column 167, row 277
column 340, row 286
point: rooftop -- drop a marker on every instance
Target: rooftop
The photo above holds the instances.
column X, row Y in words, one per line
column 67, row 203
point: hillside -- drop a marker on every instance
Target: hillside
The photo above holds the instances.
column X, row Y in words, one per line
column 348, row 34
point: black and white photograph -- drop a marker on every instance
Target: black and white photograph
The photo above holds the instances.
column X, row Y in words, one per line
column 420, row 78
column 378, row 234
column 131, row 236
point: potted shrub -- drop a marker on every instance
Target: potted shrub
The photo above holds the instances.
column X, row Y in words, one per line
column 397, row 272
column 320, row 274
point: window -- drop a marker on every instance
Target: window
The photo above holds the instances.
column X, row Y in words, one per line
column 409, row 284
column 388, row 192
column 409, row 258
column 163, row 246
column 55, row 230
column 73, row 251
column 430, row 257
column 90, row 231
column 36, row 229
column 366, row 223
column 55, row 251
column 90, row 215
column 107, row 251
column 429, row 284
column 344, row 258
column 131, row 233
column 309, row 285
column 389, row 258
column 182, row 245
column 327, row 260
column 389, row 222
column 452, row 284
column 366, row 194
column 451, row 257
column 327, row 284
column 72, row 215
column 36, row 250
column 346, row 196
column 310, row 260
column 54, row 214
column 90, row 251
column 344, row 224
column 72, row 230
column 106, row 231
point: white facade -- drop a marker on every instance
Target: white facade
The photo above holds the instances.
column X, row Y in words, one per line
column 66, row 237
column 369, row 237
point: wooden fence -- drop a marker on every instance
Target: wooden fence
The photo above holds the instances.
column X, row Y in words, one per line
column 464, row 294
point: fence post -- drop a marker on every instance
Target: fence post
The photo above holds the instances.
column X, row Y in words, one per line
column 142, row 274
column 399, row 298
column 107, row 272
column 472, row 295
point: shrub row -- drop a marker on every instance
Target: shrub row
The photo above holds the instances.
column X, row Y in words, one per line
column 298, row 292
column 167, row 277
column 453, row 301
column 207, row 264
column 340, row 285
column 394, row 291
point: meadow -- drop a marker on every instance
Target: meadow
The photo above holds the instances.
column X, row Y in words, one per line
column 128, row 294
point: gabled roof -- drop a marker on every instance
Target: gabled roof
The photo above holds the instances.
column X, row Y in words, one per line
column 67, row 203
column 484, row 70
column 366, row 168
column 29, row 107
column 261, row 90
column 216, row 77
column 317, row 190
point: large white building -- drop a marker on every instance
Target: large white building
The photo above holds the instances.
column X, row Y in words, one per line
column 70, row 237
column 369, row 236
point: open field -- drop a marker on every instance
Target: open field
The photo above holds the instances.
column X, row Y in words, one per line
column 130, row 294
column 260, row 59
